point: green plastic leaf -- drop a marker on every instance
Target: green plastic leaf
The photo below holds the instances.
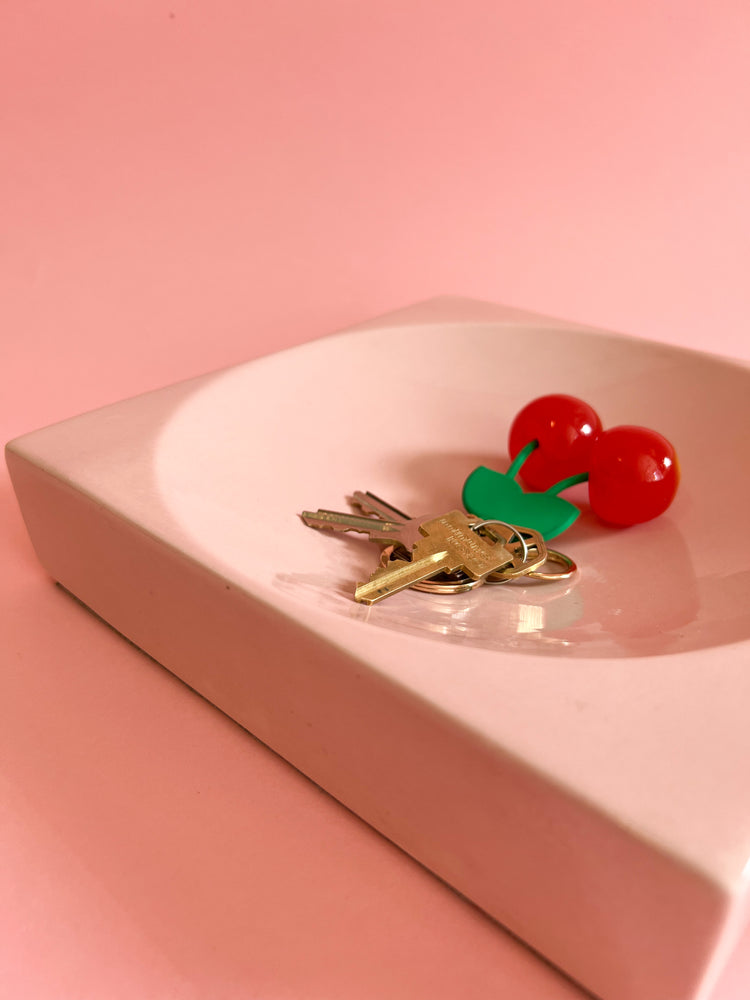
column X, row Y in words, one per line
column 496, row 496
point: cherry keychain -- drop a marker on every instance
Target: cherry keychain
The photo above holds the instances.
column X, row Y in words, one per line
column 557, row 441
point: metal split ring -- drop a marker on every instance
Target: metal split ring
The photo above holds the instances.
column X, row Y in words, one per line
column 460, row 586
column 514, row 531
column 569, row 568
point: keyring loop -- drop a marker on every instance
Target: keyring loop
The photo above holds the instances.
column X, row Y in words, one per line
column 460, row 586
column 562, row 560
column 513, row 528
column 497, row 578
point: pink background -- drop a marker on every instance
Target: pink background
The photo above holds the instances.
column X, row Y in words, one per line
column 190, row 185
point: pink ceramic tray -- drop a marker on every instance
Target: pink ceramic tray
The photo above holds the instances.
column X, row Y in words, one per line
column 572, row 757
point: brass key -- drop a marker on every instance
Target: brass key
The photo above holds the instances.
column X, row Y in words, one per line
column 448, row 544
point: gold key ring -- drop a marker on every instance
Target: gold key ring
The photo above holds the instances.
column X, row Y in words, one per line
column 515, row 532
column 569, row 568
column 459, row 586
column 562, row 560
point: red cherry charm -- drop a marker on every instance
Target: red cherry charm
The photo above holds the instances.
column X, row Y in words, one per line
column 633, row 475
column 565, row 428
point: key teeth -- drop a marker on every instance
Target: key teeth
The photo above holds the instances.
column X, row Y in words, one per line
column 372, row 504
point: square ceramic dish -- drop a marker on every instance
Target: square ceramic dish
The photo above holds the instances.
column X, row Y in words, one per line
column 573, row 757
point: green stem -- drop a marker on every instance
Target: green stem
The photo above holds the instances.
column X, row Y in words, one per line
column 515, row 465
column 581, row 477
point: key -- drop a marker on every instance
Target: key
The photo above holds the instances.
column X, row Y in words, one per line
column 447, row 544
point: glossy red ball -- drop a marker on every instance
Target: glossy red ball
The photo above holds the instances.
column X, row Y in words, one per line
column 565, row 428
column 633, row 475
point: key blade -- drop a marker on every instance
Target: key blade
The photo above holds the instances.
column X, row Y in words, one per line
column 335, row 520
column 340, row 521
column 391, row 580
column 372, row 504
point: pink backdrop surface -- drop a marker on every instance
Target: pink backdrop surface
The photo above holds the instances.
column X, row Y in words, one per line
column 189, row 185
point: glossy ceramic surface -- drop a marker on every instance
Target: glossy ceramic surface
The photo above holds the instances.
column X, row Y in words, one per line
column 407, row 412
